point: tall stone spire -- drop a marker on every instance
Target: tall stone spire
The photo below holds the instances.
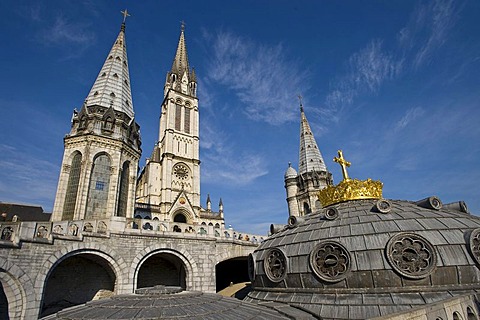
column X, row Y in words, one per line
column 101, row 152
column 180, row 62
column 313, row 176
column 112, row 86
column 310, row 159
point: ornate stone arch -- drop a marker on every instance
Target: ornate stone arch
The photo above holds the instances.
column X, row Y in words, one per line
column 191, row 268
column 21, row 293
column 188, row 215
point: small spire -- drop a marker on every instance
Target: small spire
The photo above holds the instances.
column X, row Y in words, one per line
column 300, row 98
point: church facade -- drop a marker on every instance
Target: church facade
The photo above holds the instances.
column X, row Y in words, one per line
column 111, row 232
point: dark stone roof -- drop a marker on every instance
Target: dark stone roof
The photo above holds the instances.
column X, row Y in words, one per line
column 350, row 261
column 24, row 212
column 172, row 303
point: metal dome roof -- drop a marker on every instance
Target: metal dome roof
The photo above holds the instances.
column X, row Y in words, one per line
column 368, row 258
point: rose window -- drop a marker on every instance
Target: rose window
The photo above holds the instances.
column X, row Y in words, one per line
column 275, row 265
column 181, row 171
column 330, row 261
column 411, row 255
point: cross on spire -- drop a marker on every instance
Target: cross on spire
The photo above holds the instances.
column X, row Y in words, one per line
column 343, row 163
column 300, row 98
column 125, row 15
column 182, row 23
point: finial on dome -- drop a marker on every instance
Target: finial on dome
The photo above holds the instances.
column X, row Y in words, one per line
column 343, row 163
column 349, row 189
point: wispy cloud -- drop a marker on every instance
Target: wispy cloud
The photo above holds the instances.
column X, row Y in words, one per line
column 63, row 31
column 428, row 29
column 409, row 116
column 25, row 179
column 261, row 76
column 366, row 71
column 222, row 165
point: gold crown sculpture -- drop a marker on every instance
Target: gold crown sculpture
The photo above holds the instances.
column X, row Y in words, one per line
column 349, row 189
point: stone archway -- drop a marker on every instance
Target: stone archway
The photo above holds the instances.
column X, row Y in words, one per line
column 233, row 270
column 93, row 276
column 16, row 292
column 161, row 268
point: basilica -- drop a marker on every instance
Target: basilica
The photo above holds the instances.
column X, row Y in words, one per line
column 126, row 246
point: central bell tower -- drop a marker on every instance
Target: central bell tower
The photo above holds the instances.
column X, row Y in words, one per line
column 169, row 184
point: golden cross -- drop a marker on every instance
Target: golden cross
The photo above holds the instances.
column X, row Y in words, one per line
column 125, row 15
column 343, row 163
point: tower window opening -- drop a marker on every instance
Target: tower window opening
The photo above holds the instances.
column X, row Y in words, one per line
column 185, row 147
column 187, row 121
column 115, row 75
column 178, row 117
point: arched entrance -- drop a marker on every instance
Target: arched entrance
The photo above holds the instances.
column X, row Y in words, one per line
column 162, row 269
column 233, row 270
column 76, row 280
column 3, row 304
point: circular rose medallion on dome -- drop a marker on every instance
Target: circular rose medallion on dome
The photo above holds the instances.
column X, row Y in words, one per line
column 275, row 265
column 330, row 261
column 474, row 245
column 411, row 255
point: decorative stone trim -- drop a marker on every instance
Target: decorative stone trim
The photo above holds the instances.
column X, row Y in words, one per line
column 330, row 261
column 331, row 213
column 474, row 246
column 383, row 206
column 275, row 265
column 411, row 255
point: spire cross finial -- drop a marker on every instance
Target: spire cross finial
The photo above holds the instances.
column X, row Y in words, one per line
column 343, row 163
column 125, row 15
column 182, row 23
column 300, row 98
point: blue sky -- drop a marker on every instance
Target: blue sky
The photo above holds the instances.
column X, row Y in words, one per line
column 393, row 83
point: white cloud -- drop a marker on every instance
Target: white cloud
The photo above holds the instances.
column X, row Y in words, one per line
column 261, row 77
column 225, row 166
column 409, row 116
column 428, row 29
column 64, row 31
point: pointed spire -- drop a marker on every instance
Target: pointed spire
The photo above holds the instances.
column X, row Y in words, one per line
column 209, row 203
column 112, row 86
column 180, row 62
column 310, row 158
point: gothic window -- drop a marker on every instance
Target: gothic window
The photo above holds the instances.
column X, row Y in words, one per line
column 186, row 125
column 72, row 187
column 178, row 116
column 123, row 192
column 83, row 122
column 98, row 187
column 108, row 124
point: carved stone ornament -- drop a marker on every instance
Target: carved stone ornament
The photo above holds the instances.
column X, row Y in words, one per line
column 330, row 261
column 474, row 245
column 275, row 265
column 411, row 255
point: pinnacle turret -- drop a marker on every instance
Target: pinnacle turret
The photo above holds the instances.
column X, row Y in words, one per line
column 112, row 86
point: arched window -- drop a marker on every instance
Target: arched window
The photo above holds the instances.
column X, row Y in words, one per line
column 83, row 122
column 98, row 188
column 180, row 217
column 470, row 314
column 108, row 124
column 72, row 187
column 186, row 125
column 123, row 190
column 178, row 117
column 306, row 208
column 457, row 316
